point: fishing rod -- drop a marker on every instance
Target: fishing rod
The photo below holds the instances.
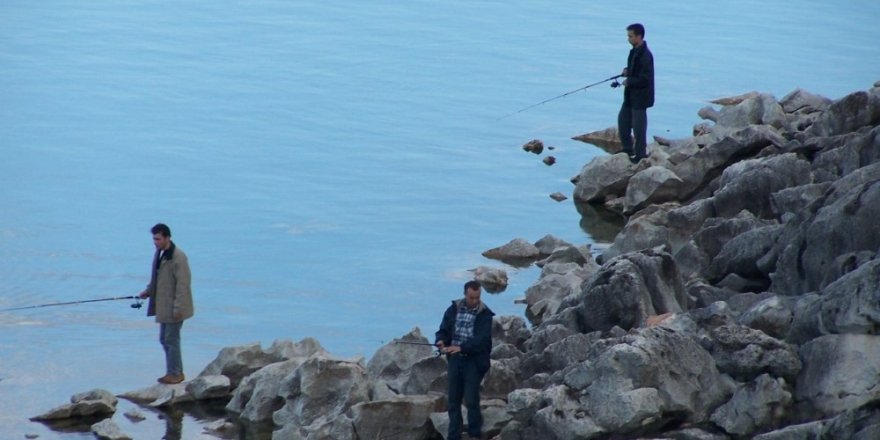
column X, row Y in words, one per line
column 425, row 344
column 137, row 303
column 561, row 96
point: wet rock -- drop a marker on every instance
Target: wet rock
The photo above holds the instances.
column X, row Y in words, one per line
column 745, row 353
column 534, row 146
column 517, row 250
column 549, row 244
column 492, row 279
column 840, row 373
column 760, row 404
column 159, row 395
column 319, row 391
column 402, row 417
column 652, row 185
column 558, row 196
column 607, row 139
column 392, row 362
column 107, row 429
column 135, row 416
column 603, row 177
column 549, row 160
column 96, row 402
column 209, row 387
column 628, row 289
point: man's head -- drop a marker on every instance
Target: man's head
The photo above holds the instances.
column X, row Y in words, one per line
column 161, row 236
column 635, row 33
column 472, row 290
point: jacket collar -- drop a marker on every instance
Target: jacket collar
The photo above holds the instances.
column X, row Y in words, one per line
column 169, row 253
column 460, row 304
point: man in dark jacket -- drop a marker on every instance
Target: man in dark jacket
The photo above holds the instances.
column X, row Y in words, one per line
column 465, row 336
column 638, row 94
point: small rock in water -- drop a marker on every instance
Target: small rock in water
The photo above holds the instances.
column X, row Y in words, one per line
column 558, row 196
column 107, row 429
column 135, row 416
column 877, row 84
column 493, row 280
column 551, row 148
column 31, row 436
column 549, row 160
column 534, row 146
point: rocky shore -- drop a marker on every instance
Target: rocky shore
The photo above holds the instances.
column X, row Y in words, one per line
column 740, row 300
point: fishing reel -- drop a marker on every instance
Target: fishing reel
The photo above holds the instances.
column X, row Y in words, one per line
column 615, row 84
column 138, row 303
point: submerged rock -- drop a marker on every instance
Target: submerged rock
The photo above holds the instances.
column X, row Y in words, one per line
column 108, row 430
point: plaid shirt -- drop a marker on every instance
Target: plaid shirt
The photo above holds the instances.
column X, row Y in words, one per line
column 464, row 325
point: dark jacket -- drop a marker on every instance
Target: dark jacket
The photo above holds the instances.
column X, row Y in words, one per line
column 480, row 346
column 639, row 91
column 169, row 289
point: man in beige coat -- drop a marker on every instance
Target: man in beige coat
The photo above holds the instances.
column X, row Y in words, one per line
column 171, row 301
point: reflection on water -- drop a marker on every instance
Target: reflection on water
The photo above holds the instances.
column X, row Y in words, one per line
column 599, row 222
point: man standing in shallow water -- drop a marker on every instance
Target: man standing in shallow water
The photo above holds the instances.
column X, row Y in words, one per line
column 465, row 336
column 638, row 95
column 171, row 301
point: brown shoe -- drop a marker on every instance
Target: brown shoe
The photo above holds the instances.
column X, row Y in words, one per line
column 171, row 379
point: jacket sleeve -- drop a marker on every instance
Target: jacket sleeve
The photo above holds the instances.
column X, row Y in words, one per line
column 182, row 285
column 445, row 332
column 482, row 340
column 646, row 72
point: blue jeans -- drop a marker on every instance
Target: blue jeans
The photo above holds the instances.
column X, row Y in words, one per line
column 633, row 123
column 169, row 337
column 464, row 382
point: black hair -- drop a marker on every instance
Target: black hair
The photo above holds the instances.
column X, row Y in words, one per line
column 161, row 228
column 637, row 29
column 472, row 285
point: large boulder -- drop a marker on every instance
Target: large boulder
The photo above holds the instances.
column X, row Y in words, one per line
column 862, row 423
column 545, row 296
column 561, row 417
column 741, row 254
column 748, row 184
column 94, row 403
column 754, row 407
column 841, row 155
column 428, row 375
column 495, row 417
column 238, row 362
column 517, row 252
column 772, row 316
column 841, row 222
column 745, row 353
column 256, row 398
column 319, row 391
column 848, row 114
column 802, row 101
column 718, row 231
column 510, row 329
column 848, row 305
column 392, row 362
column 652, row 185
column 401, row 417
column 803, row 431
column 797, row 198
column 699, row 169
column 646, row 230
column 649, row 378
column 604, row 176
column 840, row 373
column 607, row 139
column 208, row 387
column 630, row 288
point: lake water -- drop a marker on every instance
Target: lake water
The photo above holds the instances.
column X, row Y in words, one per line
column 332, row 169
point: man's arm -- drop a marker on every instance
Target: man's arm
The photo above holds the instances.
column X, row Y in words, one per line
column 443, row 333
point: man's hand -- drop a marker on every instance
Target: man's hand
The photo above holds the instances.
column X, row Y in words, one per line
column 143, row 295
column 624, row 72
column 452, row 349
column 440, row 345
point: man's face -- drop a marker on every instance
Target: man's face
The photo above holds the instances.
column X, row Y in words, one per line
column 633, row 39
column 161, row 241
column 472, row 297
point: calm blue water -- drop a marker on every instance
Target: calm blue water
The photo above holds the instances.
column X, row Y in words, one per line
column 331, row 168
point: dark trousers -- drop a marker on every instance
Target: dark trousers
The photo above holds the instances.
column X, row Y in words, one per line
column 464, row 383
column 633, row 123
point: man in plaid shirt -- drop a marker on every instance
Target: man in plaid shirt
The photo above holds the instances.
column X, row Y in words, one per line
column 465, row 336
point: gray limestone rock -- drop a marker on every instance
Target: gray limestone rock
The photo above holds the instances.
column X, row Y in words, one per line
column 92, row 403
column 754, row 407
column 745, row 353
column 652, row 185
column 107, row 429
column 840, row 373
column 402, row 417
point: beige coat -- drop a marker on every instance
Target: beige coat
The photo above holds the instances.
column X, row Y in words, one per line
column 169, row 290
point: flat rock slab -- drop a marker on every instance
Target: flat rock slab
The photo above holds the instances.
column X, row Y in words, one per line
column 159, row 395
column 89, row 404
